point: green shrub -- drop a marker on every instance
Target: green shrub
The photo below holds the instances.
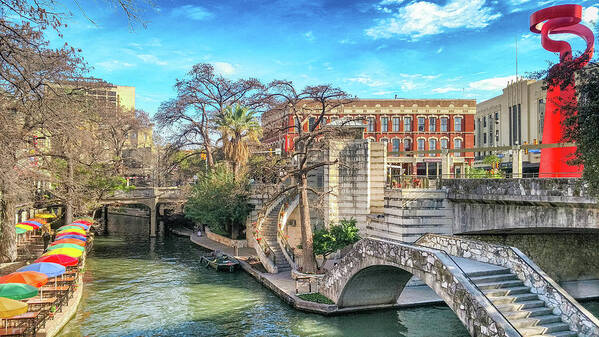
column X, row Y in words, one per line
column 329, row 240
column 316, row 297
column 219, row 200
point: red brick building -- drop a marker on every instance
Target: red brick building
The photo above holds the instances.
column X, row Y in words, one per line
column 404, row 124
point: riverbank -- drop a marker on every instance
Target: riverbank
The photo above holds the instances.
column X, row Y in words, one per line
column 416, row 294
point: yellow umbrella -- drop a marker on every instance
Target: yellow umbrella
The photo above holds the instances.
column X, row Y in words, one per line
column 72, row 252
column 75, row 230
column 45, row 216
column 10, row 308
column 25, row 227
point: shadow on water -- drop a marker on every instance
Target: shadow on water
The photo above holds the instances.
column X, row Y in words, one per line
column 137, row 286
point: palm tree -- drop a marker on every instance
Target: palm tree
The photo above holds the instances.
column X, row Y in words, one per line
column 238, row 126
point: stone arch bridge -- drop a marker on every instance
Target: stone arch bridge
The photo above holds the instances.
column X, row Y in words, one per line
column 512, row 297
column 152, row 197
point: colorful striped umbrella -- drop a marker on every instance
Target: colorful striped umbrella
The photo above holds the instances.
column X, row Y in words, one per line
column 66, row 245
column 10, row 308
column 45, row 216
column 71, row 236
column 73, row 241
column 33, row 278
column 33, row 224
column 88, row 222
column 25, row 227
column 40, row 221
column 81, row 225
column 21, row 230
column 64, row 251
column 17, row 291
column 61, row 259
column 48, row 268
column 77, row 226
column 73, row 231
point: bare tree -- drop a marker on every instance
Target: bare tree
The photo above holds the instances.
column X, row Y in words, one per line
column 201, row 96
column 308, row 109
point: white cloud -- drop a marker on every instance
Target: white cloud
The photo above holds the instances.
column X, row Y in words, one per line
column 347, row 41
column 309, row 36
column 590, row 16
column 382, row 93
column 224, row 68
column 112, row 65
column 491, row 84
column 147, row 58
column 192, row 12
column 421, row 76
column 362, row 79
column 445, row 90
column 440, row 50
column 422, row 18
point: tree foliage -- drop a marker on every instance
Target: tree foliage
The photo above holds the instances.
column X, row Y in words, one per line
column 336, row 237
column 220, row 201
column 238, row 127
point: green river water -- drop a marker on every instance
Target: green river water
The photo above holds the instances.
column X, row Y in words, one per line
column 136, row 286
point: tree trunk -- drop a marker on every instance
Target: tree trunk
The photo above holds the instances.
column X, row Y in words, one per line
column 209, row 158
column 234, row 231
column 309, row 263
column 8, row 234
column 68, row 216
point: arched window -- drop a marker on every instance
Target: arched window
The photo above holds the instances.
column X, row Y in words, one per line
column 432, row 145
column 395, row 145
column 407, row 144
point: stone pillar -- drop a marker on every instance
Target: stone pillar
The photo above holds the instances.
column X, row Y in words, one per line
column 446, row 163
column 377, row 176
column 517, row 156
column 153, row 221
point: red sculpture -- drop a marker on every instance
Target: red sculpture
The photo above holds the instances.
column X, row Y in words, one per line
column 560, row 20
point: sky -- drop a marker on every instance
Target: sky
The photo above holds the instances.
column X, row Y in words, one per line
column 371, row 49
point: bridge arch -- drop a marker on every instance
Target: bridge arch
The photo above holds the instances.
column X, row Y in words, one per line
column 375, row 272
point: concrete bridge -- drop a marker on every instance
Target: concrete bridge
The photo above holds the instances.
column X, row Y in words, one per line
column 152, row 197
column 494, row 290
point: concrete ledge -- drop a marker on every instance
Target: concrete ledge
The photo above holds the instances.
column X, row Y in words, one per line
column 225, row 240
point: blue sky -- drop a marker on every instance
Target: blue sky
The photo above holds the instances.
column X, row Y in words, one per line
column 377, row 49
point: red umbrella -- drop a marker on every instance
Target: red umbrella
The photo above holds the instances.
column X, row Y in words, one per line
column 61, row 259
column 70, row 233
column 32, row 278
column 74, row 241
column 83, row 222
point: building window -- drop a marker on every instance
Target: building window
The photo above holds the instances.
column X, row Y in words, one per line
column 384, row 124
column 407, row 124
column 311, row 123
column 395, row 145
column 444, row 124
column 497, row 116
column 421, row 146
column 432, row 124
column 485, row 138
column 444, row 144
column 371, row 124
column 484, row 121
column 457, row 144
column 395, row 124
column 432, row 145
column 407, row 144
column 421, row 124
column 457, row 124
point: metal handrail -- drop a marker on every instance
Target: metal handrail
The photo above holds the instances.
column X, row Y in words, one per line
column 280, row 226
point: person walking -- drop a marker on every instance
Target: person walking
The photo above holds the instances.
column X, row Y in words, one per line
column 46, row 234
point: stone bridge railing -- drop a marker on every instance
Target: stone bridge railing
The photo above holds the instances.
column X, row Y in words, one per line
column 377, row 270
column 563, row 305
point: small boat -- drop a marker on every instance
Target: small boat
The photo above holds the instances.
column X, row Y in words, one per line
column 220, row 262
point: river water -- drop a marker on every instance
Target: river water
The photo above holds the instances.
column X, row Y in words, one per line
column 136, row 286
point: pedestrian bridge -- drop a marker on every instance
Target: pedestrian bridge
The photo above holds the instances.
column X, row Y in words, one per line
column 494, row 290
column 152, row 197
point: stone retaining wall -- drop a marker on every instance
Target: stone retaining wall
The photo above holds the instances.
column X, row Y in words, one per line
column 571, row 312
column 225, row 240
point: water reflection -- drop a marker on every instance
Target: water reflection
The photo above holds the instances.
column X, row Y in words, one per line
column 141, row 287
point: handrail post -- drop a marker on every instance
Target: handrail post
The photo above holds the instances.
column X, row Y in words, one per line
column 517, row 157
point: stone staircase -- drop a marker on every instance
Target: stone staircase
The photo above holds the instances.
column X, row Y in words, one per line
column 30, row 249
column 410, row 214
column 524, row 310
column 269, row 233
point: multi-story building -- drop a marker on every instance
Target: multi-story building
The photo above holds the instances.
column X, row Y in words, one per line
column 403, row 124
column 512, row 118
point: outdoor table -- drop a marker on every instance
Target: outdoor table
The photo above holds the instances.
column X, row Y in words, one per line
column 62, row 280
column 41, row 303
column 28, row 319
column 11, row 331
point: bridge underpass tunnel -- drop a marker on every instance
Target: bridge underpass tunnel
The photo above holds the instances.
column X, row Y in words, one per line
column 375, row 285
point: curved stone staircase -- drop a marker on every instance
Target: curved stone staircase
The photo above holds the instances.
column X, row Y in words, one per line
column 269, row 233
